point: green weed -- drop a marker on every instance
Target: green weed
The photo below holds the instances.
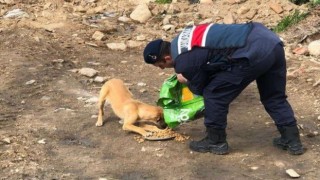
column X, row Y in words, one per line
column 163, row 1
column 290, row 20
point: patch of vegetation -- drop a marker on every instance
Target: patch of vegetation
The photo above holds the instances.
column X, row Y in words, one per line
column 315, row 2
column 163, row 1
column 290, row 20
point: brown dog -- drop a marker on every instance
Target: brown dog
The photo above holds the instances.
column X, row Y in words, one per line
column 131, row 111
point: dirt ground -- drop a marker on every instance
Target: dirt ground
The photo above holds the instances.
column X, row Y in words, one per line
column 48, row 114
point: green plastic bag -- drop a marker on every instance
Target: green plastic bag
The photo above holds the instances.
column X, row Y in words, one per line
column 179, row 104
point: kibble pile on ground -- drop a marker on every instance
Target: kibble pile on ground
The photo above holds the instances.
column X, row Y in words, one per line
column 164, row 134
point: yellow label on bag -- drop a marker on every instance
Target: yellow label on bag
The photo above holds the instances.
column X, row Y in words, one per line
column 187, row 95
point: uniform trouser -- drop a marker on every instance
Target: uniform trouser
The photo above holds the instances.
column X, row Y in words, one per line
column 270, row 75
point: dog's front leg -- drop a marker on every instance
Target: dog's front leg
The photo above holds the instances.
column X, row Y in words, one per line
column 130, row 118
column 151, row 128
column 101, row 113
column 136, row 129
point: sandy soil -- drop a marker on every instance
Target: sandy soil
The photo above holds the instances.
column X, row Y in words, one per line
column 47, row 126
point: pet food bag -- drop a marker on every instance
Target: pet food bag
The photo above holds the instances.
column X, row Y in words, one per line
column 179, row 104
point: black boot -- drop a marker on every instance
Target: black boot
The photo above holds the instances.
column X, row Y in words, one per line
column 289, row 140
column 215, row 142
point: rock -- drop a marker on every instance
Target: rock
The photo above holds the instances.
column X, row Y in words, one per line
column 251, row 14
column 312, row 133
column 42, row 141
column 166, row 20
column 229, row 19
column 141, row 38
column 206, row 2
column 91, row 44
column 134, row 44
column 316, row 83
column 301, row 51
column 279, row 164
column 314, row 48
column 92, row 100
column 30, row 82
column 243, row 10
column 58, row 61
column 240, row 1
column 206, row 21
column 142, row 90
column 231, row 2
column 168, row 27
column 141, row 13
column 94, row 63
column 89, row 72
column 276, row 7
column 99, row 79
column 292, row 173
column 7, row 140
column 52, row 26
column 117, row 46
column 7, row 1
column 45, row 98
column 16, row 13
column 124, row 19
column 141, row 84
column 99, row 36
column 80, row 9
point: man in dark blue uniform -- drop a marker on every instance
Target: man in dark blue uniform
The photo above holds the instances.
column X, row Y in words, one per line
column 219, row 61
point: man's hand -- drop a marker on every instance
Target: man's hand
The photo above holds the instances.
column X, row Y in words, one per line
column 181, row 79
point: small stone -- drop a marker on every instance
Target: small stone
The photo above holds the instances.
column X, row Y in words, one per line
column 124, row 19
column 94, row 116
column 91, row 44
column 254, row 168
column 276, row 7
column 42, row 141
column 279, row 164
column 143, row 149
column 117, row 46
column 92, row 100
column 99, row 79
column 168, row 27
column 141, row 84
column 30, row 82
column 58, row 61
column 292, row 173
column 301, row 51
column 94, row 63
column 142, row 90
column 6, row 140
column 98, row 35
column 89, row 72
column 141, row 38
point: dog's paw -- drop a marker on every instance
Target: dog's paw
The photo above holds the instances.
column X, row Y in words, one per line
column 99, row 124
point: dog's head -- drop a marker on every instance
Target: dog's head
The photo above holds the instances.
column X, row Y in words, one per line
column 160, row 118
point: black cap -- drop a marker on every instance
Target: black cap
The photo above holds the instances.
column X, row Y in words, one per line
column 152, row 51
